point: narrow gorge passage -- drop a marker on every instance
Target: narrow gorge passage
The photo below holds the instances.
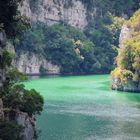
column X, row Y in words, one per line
column 85, row 108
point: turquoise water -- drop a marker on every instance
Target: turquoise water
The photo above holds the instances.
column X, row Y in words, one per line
column 84, row 108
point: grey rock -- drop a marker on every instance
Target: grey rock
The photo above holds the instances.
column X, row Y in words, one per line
column 1, row 110
column 50, row 12
column 31, row 63
column 28, row 124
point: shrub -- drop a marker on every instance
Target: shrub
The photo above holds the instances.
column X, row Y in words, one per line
column 10, row 130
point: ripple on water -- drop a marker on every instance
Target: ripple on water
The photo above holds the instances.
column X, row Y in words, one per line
column 84, row 108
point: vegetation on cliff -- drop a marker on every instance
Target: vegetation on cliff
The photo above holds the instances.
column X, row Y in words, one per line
column 14, row 96
column 10, row 19
column 91, row 51
column 15, row 99
column 128, row 59
column 98, row 42
column 116, row 7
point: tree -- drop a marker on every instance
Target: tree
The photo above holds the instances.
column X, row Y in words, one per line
column 10, row 130
column 10, row 19
column 32, row 102
column 16, row 97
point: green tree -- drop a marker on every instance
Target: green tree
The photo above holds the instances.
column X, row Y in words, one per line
column 10, row 19
column 32, row 102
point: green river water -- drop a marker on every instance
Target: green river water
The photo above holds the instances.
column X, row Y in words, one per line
column 84, row 108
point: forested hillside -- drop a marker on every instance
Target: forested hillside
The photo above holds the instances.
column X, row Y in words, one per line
column 88, row 50
column 68, row 37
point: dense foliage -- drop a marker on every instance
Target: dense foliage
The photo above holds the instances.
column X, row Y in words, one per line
column 14, row 96
column 128, row 60
column 10, row 130
column 105, row 36
column 10, row 19
column 116, row 7
column 91, row 51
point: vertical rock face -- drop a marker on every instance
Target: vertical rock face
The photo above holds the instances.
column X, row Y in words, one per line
column 2, row 39
column 25, row 8
column 31, row 64
column 2, row 45
column 126, row 76
column 125, row 33
column 116, row 83
column 49, row 12
column 53, row 11
column 21, row 118
column 28, row 123
column 1, row 110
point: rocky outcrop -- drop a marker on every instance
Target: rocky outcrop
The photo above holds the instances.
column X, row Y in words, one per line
column 28, row 124
column 130, row 86
column 126, row 76
column 54, row 11
column 125, row 33
column 25, row 9
column 34, row 64
column 116, row 83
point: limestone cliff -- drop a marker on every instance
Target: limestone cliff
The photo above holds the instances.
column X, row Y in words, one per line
column 54, row 11
column 1, row 110
column 125, row 33
column 28, row 124
column 116, row 83
column 2, row 44
column 20, row 117
column 126, row 77
column 32, row 64
column 49, row 12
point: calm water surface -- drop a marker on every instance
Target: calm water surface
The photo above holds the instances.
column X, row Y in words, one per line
column 84, row 108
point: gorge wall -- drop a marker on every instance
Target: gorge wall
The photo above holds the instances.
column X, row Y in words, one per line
column 54, row 11
column 2, row 45
column 1, row 110
column 20, row 117
column 33, row 64
column 49, row 12
column 95, row 15
column 2, row 76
